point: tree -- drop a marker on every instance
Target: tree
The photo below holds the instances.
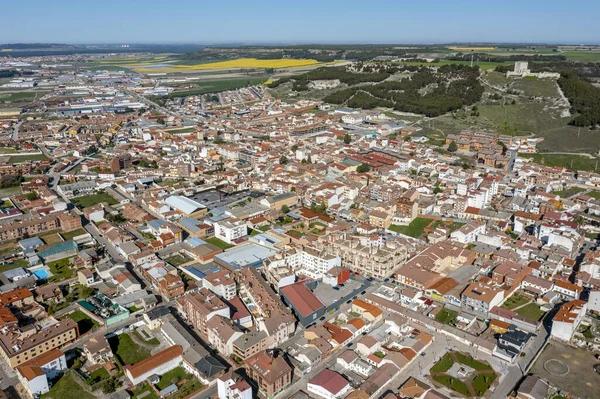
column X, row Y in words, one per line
column 304, row 161
column 32, row 196
column 285, row 209
column 309, row 159
column 363, row 168
column 283, row 160
column 347, row 139
column 452, row 147
column 295, row 147
column 161, row 121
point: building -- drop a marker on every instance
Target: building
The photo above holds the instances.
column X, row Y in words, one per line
column 158, row 364
column 480, row 298
column 35, row 373
column 305, row 305
column 97, row 349
column 199, row 307
column 231, row 230
column 18, row 347
column 328, row 384
column 567, row 319
column 280, row 200
column 221, row 283
column 271, row 373
column 231, row 386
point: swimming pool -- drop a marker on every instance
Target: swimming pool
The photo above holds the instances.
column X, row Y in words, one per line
column 41, row 274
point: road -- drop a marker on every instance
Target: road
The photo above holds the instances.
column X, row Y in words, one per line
column 160, row 108
column 15, row 135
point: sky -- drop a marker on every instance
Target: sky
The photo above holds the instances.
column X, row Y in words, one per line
column 297, row 22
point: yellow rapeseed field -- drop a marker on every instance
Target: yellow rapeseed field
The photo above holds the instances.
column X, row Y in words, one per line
column 239, row 63
column 472, row 48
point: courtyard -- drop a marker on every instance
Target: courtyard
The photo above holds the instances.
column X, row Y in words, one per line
column 463, row 374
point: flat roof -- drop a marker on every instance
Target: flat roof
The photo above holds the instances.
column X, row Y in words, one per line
column 251, row 255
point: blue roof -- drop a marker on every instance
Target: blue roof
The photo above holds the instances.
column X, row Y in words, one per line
column 195, row 272
column 156, row 224
column 194, row 241
column 190, row 224
column 59, row 248
column 32, row 242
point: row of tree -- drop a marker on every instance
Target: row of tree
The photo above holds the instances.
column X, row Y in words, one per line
column 584, row 98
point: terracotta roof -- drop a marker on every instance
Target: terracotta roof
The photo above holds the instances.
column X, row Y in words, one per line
column 15, row 295
column 330, row 381
column 302, row 298
column 154, row 361
column 30, row 372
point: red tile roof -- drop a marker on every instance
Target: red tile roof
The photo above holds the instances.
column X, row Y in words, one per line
column 329, row 380
column 154, row 361
column 302, row 298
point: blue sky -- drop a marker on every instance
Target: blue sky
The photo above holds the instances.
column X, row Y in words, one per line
column 306, row 21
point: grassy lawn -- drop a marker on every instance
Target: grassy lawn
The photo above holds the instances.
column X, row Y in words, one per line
column 26, row 158
column 69, row 236
column 51, row 239
column 85, row 322
column 93, row 199
column 142, row 336
column 178, row 259
column 446, row 316
column 443, row 364
column 7, row 150
column 573, row 162
column 14, row 265
column 569, row 192
column 531, row 311
column 61, row 269
column 218, row 242
column 414, row 229
column 169, row 377
column 98, row 375
column 67, row 388
column 141, row 392
column 515, row 301
column 127, row 350
column 594, row 194
column 482, row 382
column 453, row 383
column 469, row 361
column 17, row 96
column 186, row 389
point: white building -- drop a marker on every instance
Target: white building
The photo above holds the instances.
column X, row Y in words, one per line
column 468, row 233
column 594, row 301
column 230, row 230
column 567, row 319
column 221, row 283
column 158, row 363
column 35, row 373
column 311, row 262
column 233, row 387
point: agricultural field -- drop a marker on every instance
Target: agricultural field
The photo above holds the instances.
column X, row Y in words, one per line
column 573, row 162
column 484, row 65
column 214, row 86
column 165, row 67
column 14, row 97
column 18, row 158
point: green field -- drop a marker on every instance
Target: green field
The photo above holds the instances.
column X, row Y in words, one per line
column 178, row 259
column 446, row 316
column 144, row 391
column 167, row 378
column 531, row 311
column 69, row 236
column 482, row 64
column 26, row 158
column 443, row 364
column 14, row 265
column 414, row 229
column 453, row 383
column 527, row 87
column 569, row 192
column 594, row 194
column 12, row 97
column 67, row 388
column 98, row 375
column 93, row 199
column 219, row 243
column 515, row 301
column 127, row 350
column 61, row 269
column 214, row 86
column 572, row 162
column 469, row 361
column 84, row 322
column 482, row 382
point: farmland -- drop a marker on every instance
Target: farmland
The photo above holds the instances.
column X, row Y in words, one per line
column 215, row 86
column 232, row 64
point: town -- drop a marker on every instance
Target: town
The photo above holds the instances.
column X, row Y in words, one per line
column 235, row 244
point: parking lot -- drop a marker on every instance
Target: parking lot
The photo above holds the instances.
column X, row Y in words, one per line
column 569, row 369
column 213, row 198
